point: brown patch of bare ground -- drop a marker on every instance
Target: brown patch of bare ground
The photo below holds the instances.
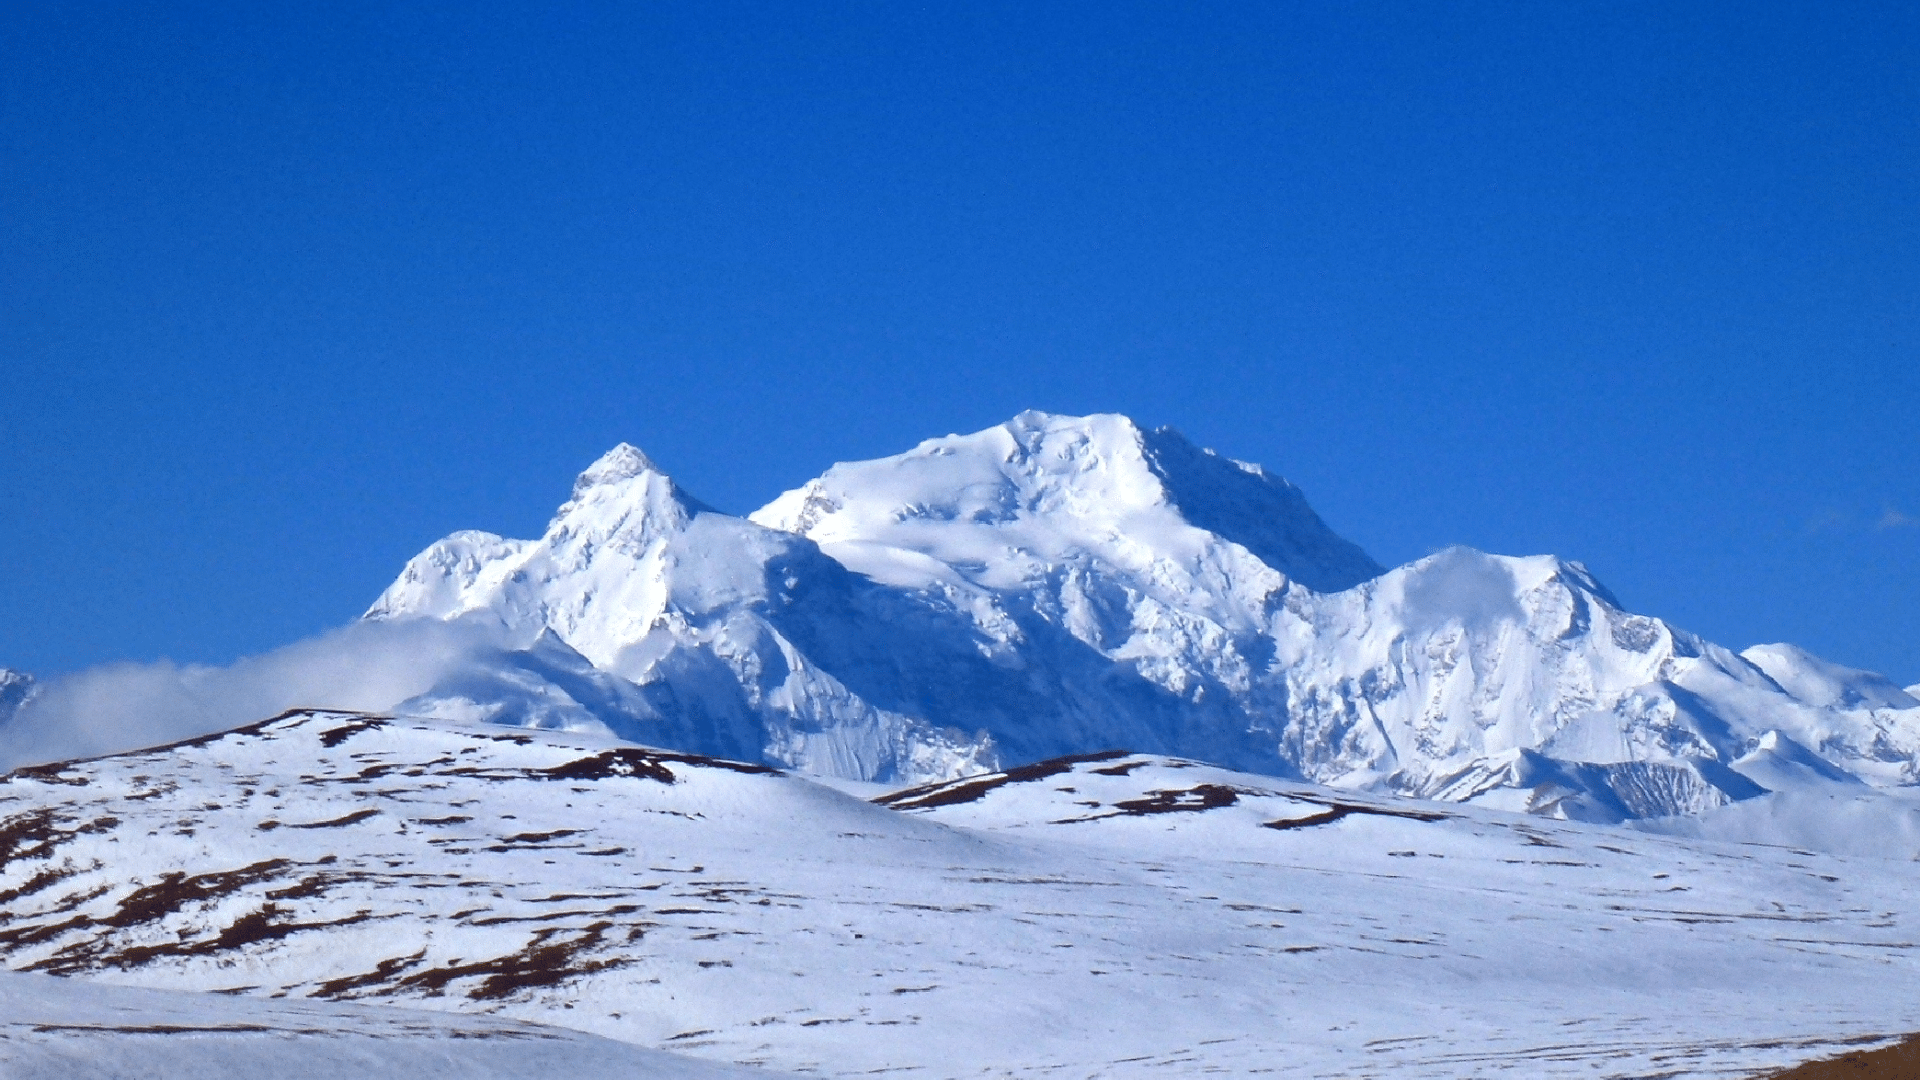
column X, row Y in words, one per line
column 1898, row 1062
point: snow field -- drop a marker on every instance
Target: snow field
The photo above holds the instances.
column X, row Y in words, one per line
column 1121, row 915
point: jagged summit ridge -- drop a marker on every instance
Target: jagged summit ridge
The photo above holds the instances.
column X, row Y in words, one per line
column 625, row 465
column 1055, row 585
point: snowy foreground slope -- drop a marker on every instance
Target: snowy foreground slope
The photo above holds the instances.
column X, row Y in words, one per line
column 73, row 1029
column 1117, row 915
column 1056, row 585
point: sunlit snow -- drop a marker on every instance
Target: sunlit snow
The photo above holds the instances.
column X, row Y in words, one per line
column 1113, row 915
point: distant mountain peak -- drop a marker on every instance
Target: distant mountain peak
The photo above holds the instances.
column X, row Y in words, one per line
column 618, row 469
column 623, row 462
column 1049, row 484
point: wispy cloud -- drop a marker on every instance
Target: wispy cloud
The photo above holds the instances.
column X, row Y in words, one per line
column 1856, row 522
column 366, row 666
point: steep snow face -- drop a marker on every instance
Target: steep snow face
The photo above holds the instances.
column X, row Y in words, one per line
column 1118, row 915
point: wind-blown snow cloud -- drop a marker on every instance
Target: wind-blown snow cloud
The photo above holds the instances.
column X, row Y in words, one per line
column 365, row 665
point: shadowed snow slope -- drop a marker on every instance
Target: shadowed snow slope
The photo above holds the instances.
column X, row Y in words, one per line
column 1119, row 915
column 1059, row 584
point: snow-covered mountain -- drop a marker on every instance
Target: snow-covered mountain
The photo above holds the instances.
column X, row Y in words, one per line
column 1113, row 915
column 643, row 609
column 1056, row 585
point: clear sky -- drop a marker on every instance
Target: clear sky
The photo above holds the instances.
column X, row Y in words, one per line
column 289, row 291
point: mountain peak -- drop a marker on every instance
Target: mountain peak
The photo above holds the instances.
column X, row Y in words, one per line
column 1035, row 423
column 612, row 480
column 1043, row 489
column 623, row 462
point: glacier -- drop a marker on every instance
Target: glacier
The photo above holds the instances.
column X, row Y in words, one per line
column 1058, row 584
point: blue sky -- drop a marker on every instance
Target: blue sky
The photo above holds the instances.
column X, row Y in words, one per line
column 287, row 294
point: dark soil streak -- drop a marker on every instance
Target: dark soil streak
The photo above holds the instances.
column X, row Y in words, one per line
column 1324, row 817
column 45, row 879
column 307, row 886
column 540, row 837
column 543, row 962
column 29, row 836
column 34, row 935
column 50, row 774
column 498, row 920
column 350, row 819
column 623, row 761
column 175, row 889
column 335, row 736
column 955, row 792
column 1202, row 797
column 1336, row 810
column 384, row 971
column 249, row 929
column 1195, row 799
column 628, row 762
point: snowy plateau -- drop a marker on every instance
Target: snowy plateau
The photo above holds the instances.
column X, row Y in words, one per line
column 1066, row 748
